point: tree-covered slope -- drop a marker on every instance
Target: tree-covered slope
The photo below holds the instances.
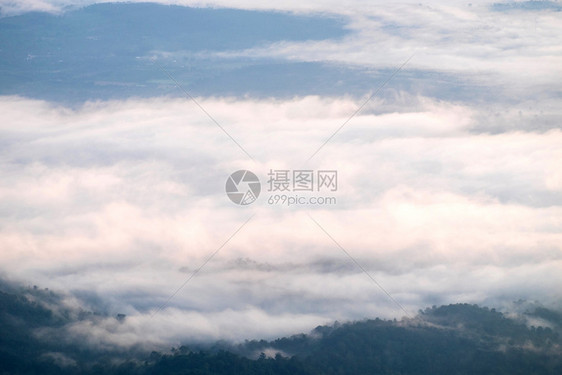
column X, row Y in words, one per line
column 454, row 339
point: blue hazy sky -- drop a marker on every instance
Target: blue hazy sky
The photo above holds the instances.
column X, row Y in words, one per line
column 115, row 50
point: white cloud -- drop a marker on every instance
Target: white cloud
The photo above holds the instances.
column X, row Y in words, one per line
column 125, row 199
column 518, row 51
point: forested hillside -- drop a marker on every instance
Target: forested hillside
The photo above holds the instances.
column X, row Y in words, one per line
column 454, row 339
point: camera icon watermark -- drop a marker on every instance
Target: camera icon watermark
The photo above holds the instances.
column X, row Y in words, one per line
column 243, row 187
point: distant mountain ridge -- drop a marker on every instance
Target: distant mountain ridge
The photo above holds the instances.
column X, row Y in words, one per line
column 106, row 51
column 453, row 339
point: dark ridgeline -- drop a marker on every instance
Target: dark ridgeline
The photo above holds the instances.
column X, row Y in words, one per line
column 454, row 339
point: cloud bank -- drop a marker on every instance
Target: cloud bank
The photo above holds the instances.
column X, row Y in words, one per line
column 121, row 201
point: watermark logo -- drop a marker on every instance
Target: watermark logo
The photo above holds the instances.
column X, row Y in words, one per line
column 286, row 187
column 243, row 187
